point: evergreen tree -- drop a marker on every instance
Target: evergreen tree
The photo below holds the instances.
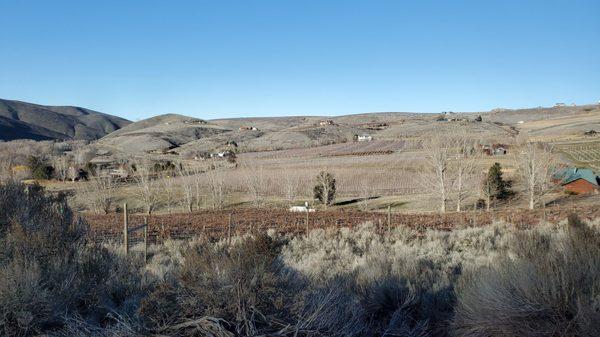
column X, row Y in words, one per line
column 39, row 168
column 324, row 190
column 494, row 186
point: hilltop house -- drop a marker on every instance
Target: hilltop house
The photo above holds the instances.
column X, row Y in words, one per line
column 248, row 128
column 578, row 180
column 222, row 154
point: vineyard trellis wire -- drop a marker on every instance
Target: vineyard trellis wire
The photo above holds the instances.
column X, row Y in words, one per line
column 221, row 224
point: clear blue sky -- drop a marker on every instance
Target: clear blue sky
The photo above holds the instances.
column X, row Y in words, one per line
column 213, row 59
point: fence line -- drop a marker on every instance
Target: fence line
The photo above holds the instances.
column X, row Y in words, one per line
column 227, row 223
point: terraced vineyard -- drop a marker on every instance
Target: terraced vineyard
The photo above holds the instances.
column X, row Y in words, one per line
column 582, row 153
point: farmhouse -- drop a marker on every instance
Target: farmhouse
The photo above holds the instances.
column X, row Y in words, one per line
column 122, row 171
column 248, row 128
column 365, row 138
column 326, row 122
column 222, row 154
column 104, row 163
column 578, row 180
column 494, row 149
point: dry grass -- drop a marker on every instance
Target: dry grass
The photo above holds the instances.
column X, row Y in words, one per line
column 491, row 281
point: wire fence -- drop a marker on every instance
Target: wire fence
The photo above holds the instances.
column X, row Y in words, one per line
column 224, row 223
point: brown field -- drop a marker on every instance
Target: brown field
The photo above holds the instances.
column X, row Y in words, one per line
column 216, row 223
column 390, row 169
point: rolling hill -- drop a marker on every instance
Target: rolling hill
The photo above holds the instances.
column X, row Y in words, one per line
column 189, row 134
column 21, row 120
column 159, row 133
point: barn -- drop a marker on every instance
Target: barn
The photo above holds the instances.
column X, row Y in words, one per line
column 579, row 180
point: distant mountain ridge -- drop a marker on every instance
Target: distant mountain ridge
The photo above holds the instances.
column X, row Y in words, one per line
column 22, row 120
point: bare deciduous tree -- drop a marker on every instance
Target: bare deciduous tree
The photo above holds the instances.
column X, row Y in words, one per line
column 198, row 187
column 61, row 167
column 366, row 193
column 216, row 187
column 534, row 164
column 100, row 193
column 188, row 187
column 438, row 156
column 464, row 167
column 169, row 188
column 254, row 179
column 6, row 163
column 82, row 153
column 291, row 185
column 148, row 187
column 191, row 186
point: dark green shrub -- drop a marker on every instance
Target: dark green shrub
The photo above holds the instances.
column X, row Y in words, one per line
column 39, row 168
column 163, row 166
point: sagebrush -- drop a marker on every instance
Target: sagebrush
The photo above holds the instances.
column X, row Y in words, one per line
column 486, row 281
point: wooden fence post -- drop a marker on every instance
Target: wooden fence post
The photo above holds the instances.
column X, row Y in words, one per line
column 229, row 231
column 306, row 221
column 389, row 222
column 145, row 240
column 125, row 229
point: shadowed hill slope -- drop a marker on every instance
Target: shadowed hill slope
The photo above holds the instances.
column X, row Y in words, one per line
column 21, row 120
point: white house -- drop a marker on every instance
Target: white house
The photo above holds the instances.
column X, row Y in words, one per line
column 365, row 138
column 248, row 128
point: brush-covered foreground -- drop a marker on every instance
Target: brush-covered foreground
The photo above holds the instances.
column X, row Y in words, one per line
column 491, row 281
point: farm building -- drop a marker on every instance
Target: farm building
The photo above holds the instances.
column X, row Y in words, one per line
column 578, row 180
column 364, row 138
column 222, row 154
column 494, row 149
column 105, row 166
column 326, row 122
column 248, row 128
